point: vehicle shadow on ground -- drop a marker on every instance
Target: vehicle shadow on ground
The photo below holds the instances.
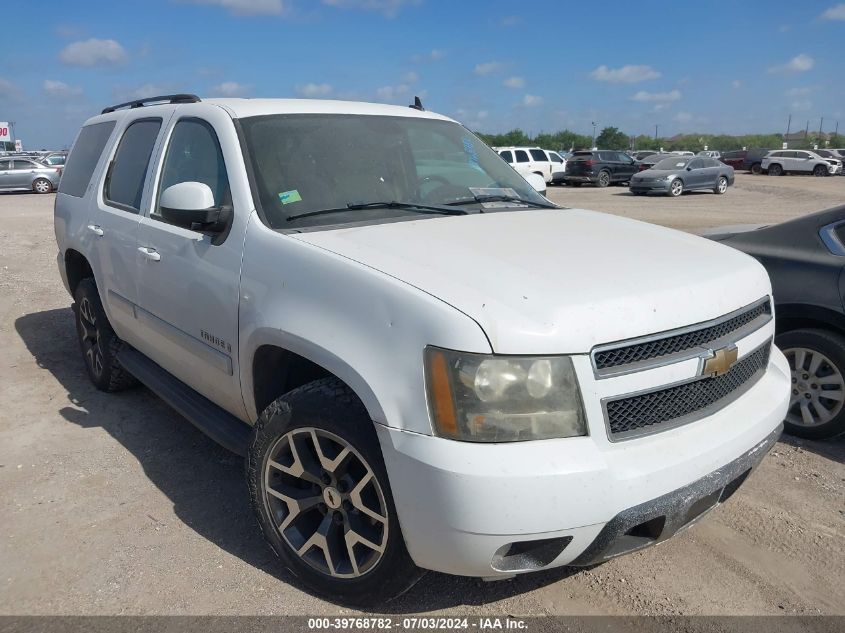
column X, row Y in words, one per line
column 833, row 449
column 204, row 482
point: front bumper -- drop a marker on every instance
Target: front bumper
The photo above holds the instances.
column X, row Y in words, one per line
column 649, row 186
column 463, row 507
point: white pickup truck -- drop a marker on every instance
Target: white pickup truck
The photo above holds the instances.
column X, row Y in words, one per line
column 426, row 363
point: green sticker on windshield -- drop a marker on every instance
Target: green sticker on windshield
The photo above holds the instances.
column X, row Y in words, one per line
column 286, row 197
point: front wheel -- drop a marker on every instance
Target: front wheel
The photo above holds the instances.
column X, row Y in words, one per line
column 676, row 188
column 603, row 180
column 320, row 490
column 42, row 185
column 817, row 364
column 721, row 185
column 820, row 170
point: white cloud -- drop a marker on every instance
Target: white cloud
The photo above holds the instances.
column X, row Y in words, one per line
column 60, row 89
column 488, row 68
column 736, row 83
column 314, row 91
column 393, row 93
column 389, row 8
column 8, row 90
column 530, row 101
column 230, row 89
column 835, row 13
column 657, row 97
column 435, row 55
column 93, row 52
column 410, row 77
column 625, row 74
column 683, row 117
column 514, row 82
column 798, row 64
column 246, row 7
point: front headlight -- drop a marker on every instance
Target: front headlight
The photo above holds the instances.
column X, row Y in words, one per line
column 486, row 398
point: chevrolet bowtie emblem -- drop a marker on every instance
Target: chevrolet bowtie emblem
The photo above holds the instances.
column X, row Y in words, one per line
column 721, row 361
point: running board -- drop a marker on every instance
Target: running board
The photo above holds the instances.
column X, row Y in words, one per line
column 221, row 426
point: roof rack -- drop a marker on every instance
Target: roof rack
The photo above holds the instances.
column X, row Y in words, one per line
column 140, row 103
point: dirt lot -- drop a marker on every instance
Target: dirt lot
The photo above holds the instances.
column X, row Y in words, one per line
column 114, row 505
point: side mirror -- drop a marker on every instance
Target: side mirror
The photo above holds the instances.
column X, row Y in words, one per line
column 536, row 181
column 689, row 168
column 191, row 205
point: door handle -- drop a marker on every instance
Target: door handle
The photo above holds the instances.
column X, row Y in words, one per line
column 96, row 230
column 150, row 253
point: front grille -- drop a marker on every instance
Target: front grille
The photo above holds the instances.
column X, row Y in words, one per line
column 670, row 407
column 671, row 344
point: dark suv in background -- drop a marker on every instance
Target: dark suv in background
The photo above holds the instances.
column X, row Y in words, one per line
column 746, row 160
column 599, row 167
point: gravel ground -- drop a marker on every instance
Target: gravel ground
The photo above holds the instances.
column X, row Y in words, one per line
column 114, row 505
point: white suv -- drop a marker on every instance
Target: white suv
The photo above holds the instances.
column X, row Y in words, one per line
column 426, row 364
column 786, row 161
column 534, row 160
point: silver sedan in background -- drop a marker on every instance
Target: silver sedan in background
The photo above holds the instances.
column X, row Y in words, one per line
column 677, row 174
column 17, row 172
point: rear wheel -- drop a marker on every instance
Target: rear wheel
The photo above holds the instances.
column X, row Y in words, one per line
column 775, row 170
column 676, row 188
column 756, row 169
column 820, row 170
column 604, row 179
column 42, row 185
column 319, row 488
column 817, row 363
column 721, row 185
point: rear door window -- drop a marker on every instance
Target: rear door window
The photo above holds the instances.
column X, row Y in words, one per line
column 521, row 156
column 539, row 155
column 23, row 164
column 128, row 171
column 555, row 158
column 83, row 158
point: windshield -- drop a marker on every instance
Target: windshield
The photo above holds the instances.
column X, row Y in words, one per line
column 305, row 163
column 678, row 162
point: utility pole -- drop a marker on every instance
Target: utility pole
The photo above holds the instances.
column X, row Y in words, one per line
column 788, row 126
column 820, row 129
column 655, row 132
column 594, row 134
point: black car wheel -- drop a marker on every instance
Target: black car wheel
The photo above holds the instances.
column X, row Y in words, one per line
column 320, row 490
column 817, row 364
column 756, row 169
column 820, row 170
column 721, row 185
column 775, row 170
column 603, row 180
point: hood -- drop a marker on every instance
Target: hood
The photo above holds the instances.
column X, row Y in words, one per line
column 657, row 174
column 558, row 280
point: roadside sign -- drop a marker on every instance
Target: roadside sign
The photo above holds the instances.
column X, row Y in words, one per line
column 784, row 145
column 18, row 145
column 5, row 132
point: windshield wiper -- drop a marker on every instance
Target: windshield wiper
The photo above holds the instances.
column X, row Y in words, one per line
column 409, row 206
column 502, row 198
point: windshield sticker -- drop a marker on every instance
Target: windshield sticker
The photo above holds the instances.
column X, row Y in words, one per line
column 286, row 197
column 493, row 191
column 469, row 148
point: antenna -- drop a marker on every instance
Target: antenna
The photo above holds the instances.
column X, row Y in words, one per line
column 417, row 105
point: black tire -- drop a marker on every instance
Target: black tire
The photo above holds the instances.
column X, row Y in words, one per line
column 574, row 184
column 721, row 185
column 832, row 347
column 603, row 179
column 775, row 170
column 756, row 169
column 328, row 405
column 820, row 170
column 42, row 185
column 97, row 340
column 676, row 188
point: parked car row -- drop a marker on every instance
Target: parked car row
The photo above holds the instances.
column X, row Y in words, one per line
column 535, row 160
column 23, row 173
column 677, row 174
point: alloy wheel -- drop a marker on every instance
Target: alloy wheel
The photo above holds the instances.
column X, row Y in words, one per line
column 90, row 336
column 42, row 186
column 818, row 387
column 604, row 179
column 677, row 188
column 326, row 502
column 723, row 185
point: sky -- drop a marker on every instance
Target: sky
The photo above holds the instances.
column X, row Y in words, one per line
column 687, row 66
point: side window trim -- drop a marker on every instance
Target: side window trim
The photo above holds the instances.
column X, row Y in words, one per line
column 107, row 176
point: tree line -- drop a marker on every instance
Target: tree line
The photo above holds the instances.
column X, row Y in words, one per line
column 613, row 138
